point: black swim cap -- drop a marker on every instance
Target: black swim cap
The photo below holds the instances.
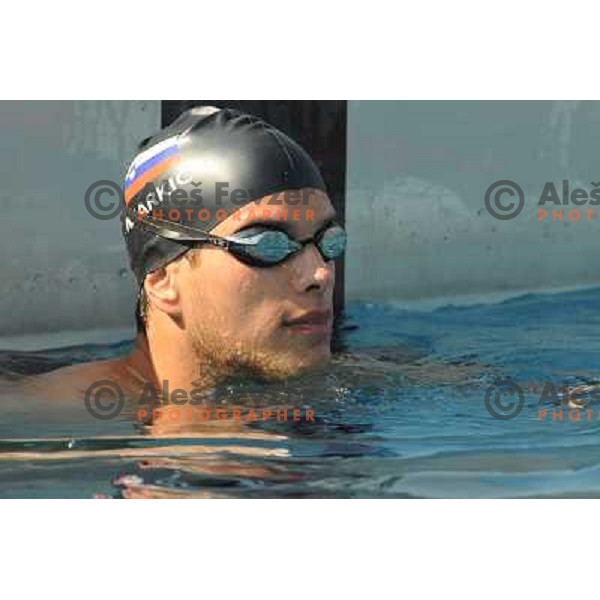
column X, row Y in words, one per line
column 208, row 161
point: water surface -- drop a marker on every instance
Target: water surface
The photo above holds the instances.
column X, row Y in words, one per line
column 401, row 413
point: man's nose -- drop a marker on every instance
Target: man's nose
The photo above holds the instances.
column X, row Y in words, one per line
column 311, row 272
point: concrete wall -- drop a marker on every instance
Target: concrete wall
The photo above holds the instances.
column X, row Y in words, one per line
column 62, row 269
column 417, row 175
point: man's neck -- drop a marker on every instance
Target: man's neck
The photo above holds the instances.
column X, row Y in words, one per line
column 175, row 364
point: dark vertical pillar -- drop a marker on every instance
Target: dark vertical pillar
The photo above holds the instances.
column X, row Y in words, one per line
column 318, row 125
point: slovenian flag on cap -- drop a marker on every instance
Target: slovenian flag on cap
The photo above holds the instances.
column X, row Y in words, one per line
column 149, row 165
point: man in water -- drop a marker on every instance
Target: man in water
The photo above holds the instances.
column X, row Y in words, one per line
column 232, row 239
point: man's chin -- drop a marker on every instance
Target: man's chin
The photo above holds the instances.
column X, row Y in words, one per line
column 317, row 361
column 297, row 366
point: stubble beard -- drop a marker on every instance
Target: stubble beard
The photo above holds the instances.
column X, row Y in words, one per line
column 220, row 359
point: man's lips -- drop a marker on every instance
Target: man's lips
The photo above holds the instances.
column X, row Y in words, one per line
column 314, row 321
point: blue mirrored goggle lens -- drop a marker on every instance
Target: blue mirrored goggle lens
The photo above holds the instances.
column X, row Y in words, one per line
column 268, row 246
column 272, row 247
column 333, row 242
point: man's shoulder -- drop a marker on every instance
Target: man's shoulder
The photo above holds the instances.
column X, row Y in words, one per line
column 73, row 381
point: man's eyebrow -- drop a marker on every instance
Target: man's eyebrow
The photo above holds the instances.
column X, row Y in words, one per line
column 284, row 224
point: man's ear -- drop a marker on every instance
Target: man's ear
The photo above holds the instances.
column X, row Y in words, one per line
column 163, row 292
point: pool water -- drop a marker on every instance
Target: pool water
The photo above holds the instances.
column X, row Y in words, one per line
column 400, row 414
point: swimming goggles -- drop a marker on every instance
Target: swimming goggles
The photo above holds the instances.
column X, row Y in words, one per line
column 257, row 246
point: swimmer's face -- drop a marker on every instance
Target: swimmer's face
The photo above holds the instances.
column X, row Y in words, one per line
column 272, row 321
